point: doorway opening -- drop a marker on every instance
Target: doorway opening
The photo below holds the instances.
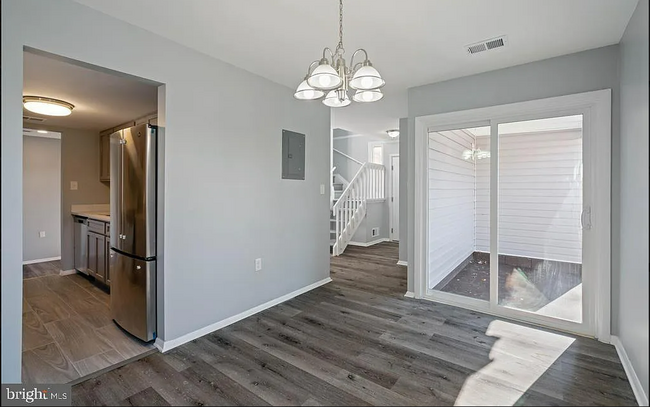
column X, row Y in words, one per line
column 69, row 328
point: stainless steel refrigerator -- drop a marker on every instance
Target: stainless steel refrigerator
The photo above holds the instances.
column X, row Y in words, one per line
column 133, row 230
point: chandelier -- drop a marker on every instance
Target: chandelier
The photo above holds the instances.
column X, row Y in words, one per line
column 332, row 78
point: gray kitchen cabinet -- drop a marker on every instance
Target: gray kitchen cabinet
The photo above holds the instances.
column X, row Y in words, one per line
column 93, row 240
column 105, row 157
column 108, row 260
column 97, row 256
column 101, row 259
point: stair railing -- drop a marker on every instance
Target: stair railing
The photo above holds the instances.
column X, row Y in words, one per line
column 350, row 209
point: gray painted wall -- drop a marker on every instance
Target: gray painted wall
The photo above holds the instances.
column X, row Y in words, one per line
column 633, row 245
column 403, row 193
column 376, row 216
column 575, row 73
column 222, row 164
column 355, row 147
column 41, row 198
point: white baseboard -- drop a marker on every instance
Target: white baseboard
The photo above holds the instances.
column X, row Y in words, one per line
column 639, row 393
column 67, row 272
column 41, row 260
column 165, row 346
column 409, row 294
column 402, row 263
column 374, row 242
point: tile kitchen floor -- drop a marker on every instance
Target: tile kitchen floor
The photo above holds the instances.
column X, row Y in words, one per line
column 67, row 329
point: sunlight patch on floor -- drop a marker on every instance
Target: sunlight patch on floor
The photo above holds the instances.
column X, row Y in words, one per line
column 519, row 357
column 568, row 306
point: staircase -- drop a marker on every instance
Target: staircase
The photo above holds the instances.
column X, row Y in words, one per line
column 349, row 206
column 337, row 189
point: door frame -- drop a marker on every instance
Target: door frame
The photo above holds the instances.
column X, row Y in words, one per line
column 391, row 205
column 596, row 109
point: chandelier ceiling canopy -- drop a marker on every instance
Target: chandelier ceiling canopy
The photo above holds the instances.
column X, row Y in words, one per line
column 332, row 78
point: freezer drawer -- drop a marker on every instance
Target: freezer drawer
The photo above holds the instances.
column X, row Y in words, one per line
column 133, row 295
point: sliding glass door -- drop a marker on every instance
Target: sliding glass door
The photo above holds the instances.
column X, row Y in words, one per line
column 508, row 202
column 540, row 167
column 459, row 213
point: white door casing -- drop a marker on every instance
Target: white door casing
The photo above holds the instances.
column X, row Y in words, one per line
column 393, row 202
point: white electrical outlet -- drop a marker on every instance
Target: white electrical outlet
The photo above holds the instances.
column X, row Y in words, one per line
column 74, row 186
column 41, row 233
column 375, row 232
column 258, row 264
column 322, row 189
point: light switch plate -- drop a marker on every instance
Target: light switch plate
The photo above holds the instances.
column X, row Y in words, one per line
column 322, row 189
column 41, row 234
column 74, row 185
column 258, row 264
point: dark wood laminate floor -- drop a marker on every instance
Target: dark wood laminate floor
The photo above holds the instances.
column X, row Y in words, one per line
column 358, row 341
column 47, row 268
column 67, row 329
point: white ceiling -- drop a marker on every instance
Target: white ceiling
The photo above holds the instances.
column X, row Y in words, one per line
column 102, row 100
column 411, row 42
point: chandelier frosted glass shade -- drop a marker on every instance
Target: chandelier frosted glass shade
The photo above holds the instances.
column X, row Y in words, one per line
column 367, row 96
column 306, row 92
column 332, row 100
column 47, row 106
column 367, row 78
column 324, row 77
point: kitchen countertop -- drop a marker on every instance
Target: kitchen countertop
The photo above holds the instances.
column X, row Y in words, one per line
column 100, row 216
column 100, row 212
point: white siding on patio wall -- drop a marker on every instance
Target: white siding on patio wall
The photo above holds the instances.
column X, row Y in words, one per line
column 451, row 202
column 540, row 195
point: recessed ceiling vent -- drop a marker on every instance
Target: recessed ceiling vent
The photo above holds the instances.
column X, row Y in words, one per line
column 33, row 119
column 487, row 45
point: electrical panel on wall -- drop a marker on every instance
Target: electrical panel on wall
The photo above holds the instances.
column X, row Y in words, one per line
column 293, row 155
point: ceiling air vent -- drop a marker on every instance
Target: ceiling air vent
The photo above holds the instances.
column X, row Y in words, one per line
column 33, row 119
column 486, row 45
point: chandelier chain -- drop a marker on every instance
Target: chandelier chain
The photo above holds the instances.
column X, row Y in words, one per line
column 340, row 45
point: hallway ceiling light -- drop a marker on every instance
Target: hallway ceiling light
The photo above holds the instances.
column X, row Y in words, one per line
column 47, row 106
column 394, row 133
column 333, row 75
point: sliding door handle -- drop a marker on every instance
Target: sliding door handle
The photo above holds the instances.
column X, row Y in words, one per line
column 585, row 218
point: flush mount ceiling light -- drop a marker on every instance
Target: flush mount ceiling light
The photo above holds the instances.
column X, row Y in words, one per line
column 47, row 106
column 393, row 133
column 333, row 77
